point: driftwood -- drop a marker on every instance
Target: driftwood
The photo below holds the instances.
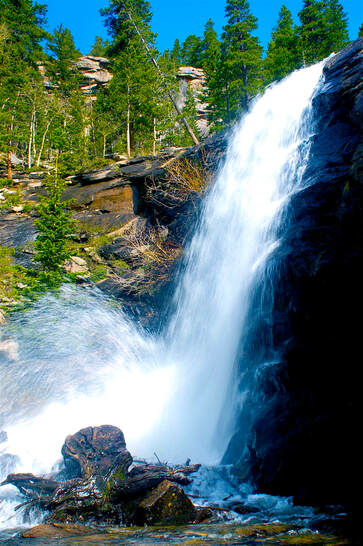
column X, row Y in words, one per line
column 32, row 486
column 146, row 477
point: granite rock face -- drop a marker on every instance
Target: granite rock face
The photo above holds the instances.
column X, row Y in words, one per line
column 298, row 432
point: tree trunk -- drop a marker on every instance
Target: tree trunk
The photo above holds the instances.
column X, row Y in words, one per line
column 128, row 140
column 43, row 143
column 30, row 144
column 154, row 139
column 10, row 174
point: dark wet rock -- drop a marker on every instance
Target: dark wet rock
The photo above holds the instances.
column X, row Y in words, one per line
column 59, row 530
column 204, row 514
column 93, row 451
column 167, row 504
column 241, row 508
column 298, row 429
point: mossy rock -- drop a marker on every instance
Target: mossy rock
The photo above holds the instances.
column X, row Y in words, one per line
column 167, row 504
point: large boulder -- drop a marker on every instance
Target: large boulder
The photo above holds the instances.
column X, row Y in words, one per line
column 95, row 451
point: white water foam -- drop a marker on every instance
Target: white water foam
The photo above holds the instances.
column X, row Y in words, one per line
column 83, row 363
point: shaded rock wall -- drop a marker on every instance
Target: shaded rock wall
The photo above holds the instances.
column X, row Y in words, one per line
column 298, row 432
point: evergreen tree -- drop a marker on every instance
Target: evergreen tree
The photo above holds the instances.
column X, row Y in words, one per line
column 360, row 32
column 131, row 94
column 191, row 52
column 323, row 29
column 176, row 52
column 241, row 55
column 61, row 67
column 54, row 226
column 337, row 22
column 24, row 21
column 120, row 19
column 21, row 34
column 312, row 31
column 283, row 53
column 99, row 48
column 211, row 50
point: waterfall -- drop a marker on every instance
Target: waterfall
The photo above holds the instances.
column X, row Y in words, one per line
column 82, row 362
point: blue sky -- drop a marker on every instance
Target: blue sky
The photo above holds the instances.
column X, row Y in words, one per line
column 178, row 19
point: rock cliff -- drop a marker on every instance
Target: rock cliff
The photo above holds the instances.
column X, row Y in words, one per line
column 298, row 431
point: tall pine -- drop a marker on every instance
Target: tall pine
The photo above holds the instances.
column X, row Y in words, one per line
column 242, row 58
column 61, row 67
column 282, row 54
column 337, row 22
column 131, row 94
column 211, row 49
column 323, row 29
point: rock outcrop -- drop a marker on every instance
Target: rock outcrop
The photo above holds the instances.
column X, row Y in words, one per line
column 298, row 431
column 93, row 71
column 194, row 79
column 132, row 222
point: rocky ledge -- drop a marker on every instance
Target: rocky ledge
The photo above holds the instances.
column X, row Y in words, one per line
column 132, row 221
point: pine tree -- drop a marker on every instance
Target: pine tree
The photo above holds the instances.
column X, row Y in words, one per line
column 61, row 67
column 54, row 225
column 323, row 29
column 211, row 49
column 22, row 31
column 191, row 51
column 99, row 48
column 312, row 31
column 176, row 52
column 131, row 94
column 120, row 19
column 283, row 53
column 24, row 21
column 337, row 21
column 360, row 32
column 241, row 54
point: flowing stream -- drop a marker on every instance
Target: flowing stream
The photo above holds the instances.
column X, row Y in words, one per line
column 76, row 360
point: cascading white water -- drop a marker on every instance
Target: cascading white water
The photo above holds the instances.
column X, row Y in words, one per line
column 81, row 362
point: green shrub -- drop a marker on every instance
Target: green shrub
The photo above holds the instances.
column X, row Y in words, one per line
column 54, row 226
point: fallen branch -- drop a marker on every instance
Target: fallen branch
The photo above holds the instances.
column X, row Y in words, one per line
column 145, row 478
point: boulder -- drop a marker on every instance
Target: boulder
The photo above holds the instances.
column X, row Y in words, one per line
column 167, row 504
column 94, row 451
column 76, row 265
